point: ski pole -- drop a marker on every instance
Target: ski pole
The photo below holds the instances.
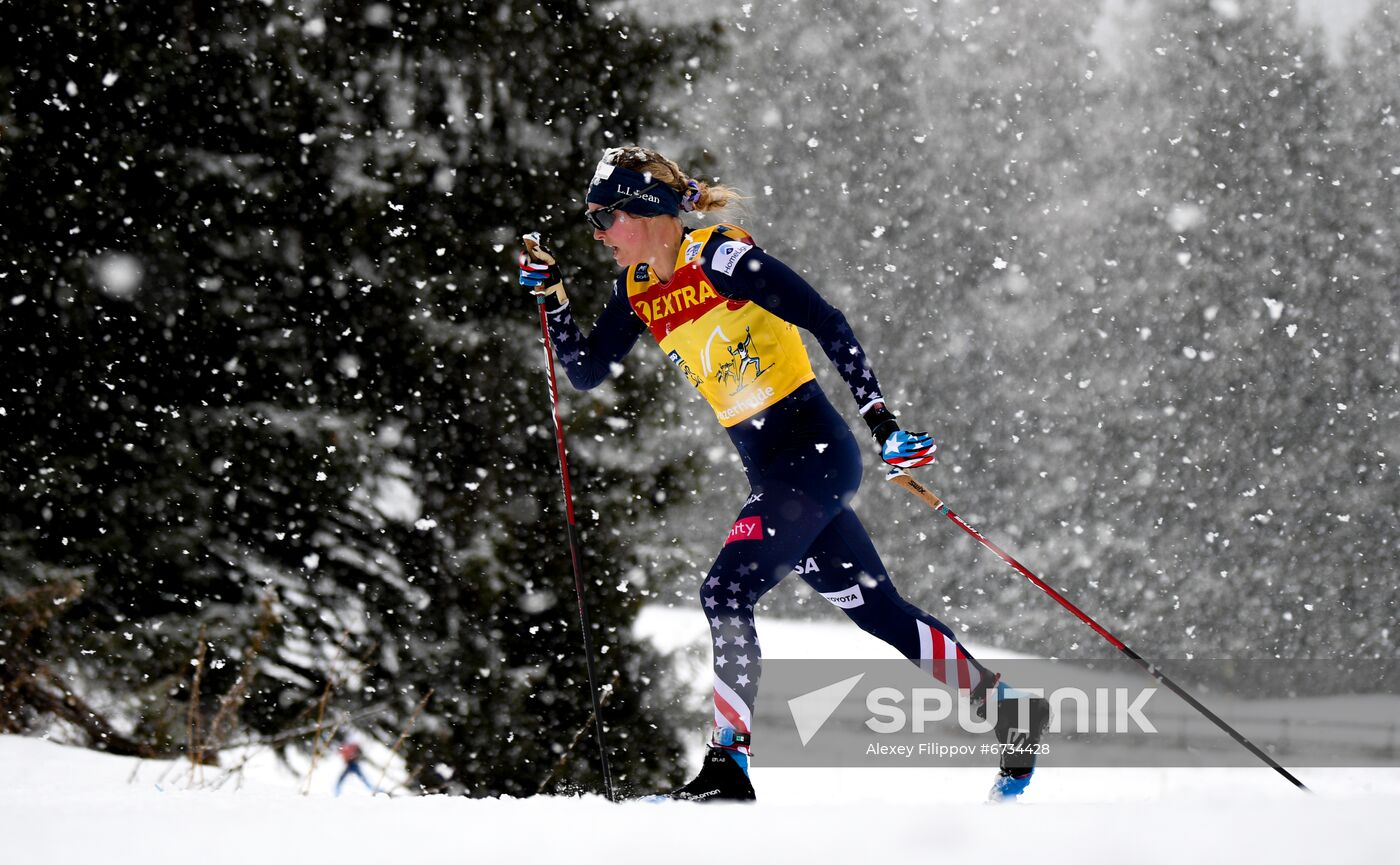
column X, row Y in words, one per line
column 533, row 249
column 903, row 479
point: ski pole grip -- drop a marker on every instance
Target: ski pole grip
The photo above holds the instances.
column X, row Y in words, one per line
column 904, row 479
column 536, row 252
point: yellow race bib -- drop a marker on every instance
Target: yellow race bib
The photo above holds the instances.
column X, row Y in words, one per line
column 740, row 357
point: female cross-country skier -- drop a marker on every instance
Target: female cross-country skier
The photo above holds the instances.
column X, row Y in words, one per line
column 726, row 314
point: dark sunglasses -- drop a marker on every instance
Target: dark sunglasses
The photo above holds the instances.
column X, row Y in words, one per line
column 602, row 218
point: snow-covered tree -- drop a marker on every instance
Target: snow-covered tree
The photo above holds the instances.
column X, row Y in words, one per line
column 274, row 402
column 1243, row 435
column 1132, row 264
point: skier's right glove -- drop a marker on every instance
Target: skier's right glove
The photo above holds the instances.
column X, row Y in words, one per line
column 539, row 272
column 904, row 450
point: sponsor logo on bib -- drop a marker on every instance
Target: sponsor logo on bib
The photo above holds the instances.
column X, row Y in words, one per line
column 727, row 256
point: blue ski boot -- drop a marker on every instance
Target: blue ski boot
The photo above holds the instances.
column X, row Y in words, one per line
column 1007, row 788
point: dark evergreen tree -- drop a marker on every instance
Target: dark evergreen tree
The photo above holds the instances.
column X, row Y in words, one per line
column 273, row 401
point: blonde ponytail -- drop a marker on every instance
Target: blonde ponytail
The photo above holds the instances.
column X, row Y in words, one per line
column 715, row 197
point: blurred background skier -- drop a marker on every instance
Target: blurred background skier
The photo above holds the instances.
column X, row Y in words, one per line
column 352, row 755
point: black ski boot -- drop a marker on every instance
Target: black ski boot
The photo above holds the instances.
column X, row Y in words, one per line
column 1019, row 738
column 721, row 779
column 1021, row 735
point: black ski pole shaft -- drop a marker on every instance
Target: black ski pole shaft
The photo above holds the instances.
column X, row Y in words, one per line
column 903, row 479
column 573, row 553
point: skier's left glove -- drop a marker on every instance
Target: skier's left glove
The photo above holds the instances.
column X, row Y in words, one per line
column 900, row 449
column 539, row 272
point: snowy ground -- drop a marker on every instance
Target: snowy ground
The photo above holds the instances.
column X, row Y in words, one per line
column 65, row 805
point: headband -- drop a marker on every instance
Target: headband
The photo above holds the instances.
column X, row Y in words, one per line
column 613, row 183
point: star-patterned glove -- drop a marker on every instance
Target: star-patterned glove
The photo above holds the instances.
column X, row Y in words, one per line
column 539, row 272
column 900, row 449
column 906, row 450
